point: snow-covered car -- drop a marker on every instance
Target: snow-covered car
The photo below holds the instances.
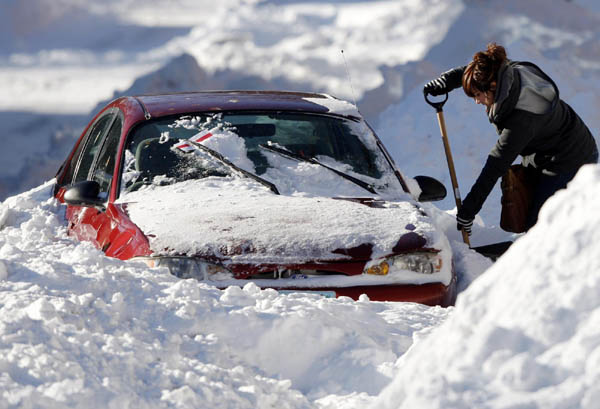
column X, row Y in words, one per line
column 292, row 191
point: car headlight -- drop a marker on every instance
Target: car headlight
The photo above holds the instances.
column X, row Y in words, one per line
column 189, row 267
column 423, row 263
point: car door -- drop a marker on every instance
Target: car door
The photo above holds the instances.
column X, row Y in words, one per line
column 108, row 227
column 93, row 161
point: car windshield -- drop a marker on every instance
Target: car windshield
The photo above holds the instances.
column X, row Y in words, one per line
column 164, row 151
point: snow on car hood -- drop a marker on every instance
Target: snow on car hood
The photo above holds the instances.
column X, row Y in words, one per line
column 240, row 220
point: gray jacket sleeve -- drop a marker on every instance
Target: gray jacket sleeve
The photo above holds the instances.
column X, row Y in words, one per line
column 517, row 132
column 453, row 77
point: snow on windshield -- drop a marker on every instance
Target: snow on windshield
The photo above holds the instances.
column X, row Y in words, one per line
column 310, row 137
column 219, row 138
column 298, row 178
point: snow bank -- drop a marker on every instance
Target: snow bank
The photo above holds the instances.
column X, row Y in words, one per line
column 526, row 333
column 77, row 328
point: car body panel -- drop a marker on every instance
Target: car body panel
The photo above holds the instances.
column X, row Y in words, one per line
column 217, row 101
column 109, row 229
column 428, row 294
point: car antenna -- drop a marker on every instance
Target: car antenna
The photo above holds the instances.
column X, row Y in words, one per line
column 349, row 79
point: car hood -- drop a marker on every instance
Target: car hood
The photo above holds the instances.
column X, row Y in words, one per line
column 241, row 221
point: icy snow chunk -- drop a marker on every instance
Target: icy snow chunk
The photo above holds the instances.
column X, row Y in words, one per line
column 236, row 296
column 336, row 106
column 40, row 309
column 61, row 391
column 252, row 289
column 364, row 298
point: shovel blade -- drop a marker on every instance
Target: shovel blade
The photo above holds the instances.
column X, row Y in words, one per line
column 493, row 251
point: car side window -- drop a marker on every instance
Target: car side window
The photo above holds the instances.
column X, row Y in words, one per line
column 92, row 145
column 105, row 165
column 72, row 165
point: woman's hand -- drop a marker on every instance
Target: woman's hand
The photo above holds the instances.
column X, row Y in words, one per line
column 446, row 82
column 436, row 87
column 464, row 224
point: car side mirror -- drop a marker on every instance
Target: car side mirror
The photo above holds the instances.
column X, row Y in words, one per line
column 85, row 193
column 431, row 189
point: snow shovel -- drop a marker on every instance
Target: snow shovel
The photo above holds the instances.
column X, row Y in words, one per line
column 440, row 116
column 492, row 251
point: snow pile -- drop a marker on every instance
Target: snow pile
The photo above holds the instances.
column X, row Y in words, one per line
column 77, row 328
column 527, row 333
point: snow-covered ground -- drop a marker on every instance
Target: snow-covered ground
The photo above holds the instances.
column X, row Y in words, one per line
column 77, row 328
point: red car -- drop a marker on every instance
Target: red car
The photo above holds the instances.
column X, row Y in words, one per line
column 291, row 191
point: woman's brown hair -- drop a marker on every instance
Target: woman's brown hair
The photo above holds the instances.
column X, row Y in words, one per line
column 483, row 70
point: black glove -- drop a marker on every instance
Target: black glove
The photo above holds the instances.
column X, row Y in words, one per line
column 465, row 224
column 448, row 81
column 435, row 87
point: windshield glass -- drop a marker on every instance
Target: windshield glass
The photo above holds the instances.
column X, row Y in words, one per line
column 157, row 152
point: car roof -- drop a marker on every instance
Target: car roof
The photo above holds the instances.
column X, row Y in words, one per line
column 216, row 101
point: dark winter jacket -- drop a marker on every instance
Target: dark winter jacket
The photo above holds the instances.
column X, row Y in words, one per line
column 533, row 122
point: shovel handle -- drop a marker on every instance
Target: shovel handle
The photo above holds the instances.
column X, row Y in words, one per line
column 465, row 237
column 438, row 105
column 453, row 178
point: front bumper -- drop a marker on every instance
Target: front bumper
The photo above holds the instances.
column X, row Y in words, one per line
column 429, row 294
column 429, row 289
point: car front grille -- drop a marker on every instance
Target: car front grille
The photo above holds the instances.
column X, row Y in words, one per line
column 292, row 274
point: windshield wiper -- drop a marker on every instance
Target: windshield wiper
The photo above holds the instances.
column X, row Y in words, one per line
column 293, row 155
column 228, row 163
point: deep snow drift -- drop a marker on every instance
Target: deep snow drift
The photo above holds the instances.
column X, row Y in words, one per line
column 78, row 328
column 526, row 333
